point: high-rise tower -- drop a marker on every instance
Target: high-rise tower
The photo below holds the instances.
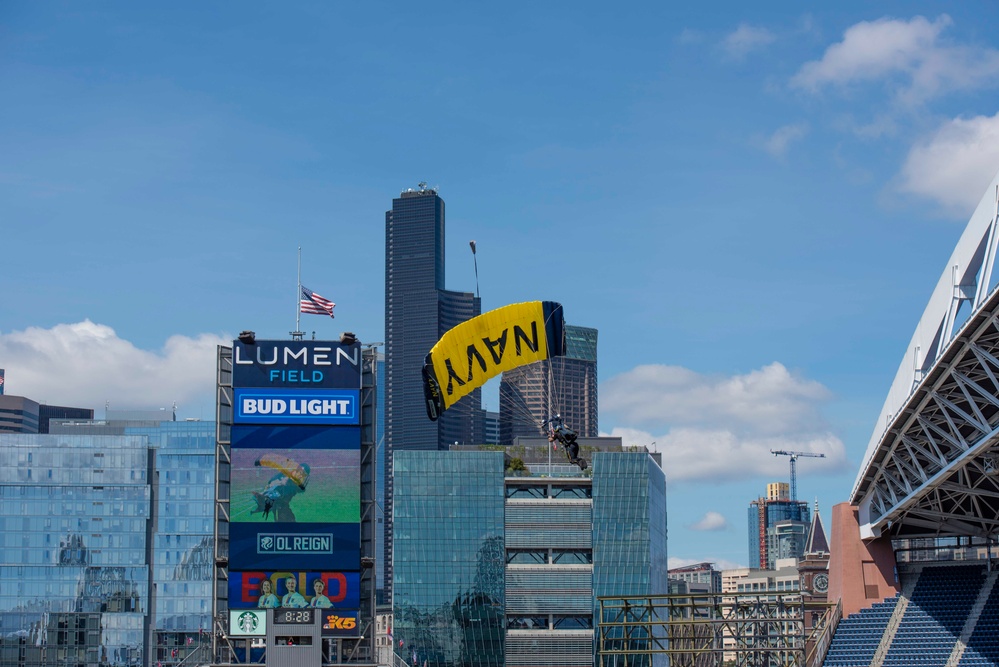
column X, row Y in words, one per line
column 778, row 527
column 565, row 385
column 418, row 311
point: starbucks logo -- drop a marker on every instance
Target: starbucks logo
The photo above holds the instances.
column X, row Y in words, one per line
column 247, row 622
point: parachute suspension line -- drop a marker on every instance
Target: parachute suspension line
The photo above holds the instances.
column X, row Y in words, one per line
column 555, row 389
column 552, row 378
column 522, row 415
column 554, row 383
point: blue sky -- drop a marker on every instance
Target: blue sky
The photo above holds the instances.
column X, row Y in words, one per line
column 750, row 203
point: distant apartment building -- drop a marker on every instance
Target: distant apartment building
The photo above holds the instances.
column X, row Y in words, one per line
column 566, row 385
column 751, row 583
column 23, row 415
column 783, row 578
column 700, row 577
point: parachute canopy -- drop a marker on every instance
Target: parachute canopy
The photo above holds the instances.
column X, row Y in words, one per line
column 299, row 474
column 485, row 346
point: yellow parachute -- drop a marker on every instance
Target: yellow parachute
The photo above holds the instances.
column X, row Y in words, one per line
column 481, row 348
column 299, row 474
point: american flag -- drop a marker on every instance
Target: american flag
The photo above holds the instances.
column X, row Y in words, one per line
column 314, row 304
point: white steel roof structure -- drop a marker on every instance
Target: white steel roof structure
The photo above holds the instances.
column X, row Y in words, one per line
column 932, row 464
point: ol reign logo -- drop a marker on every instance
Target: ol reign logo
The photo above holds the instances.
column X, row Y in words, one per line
column 247, row 622
column 295, row 543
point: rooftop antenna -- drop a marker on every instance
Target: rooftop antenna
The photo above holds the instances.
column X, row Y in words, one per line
column 423, row 185
column 476, row 263
column 298, row 333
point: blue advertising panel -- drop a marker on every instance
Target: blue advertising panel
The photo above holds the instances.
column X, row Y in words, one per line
column 296, row 437
column 304, row 364
column 296, row 406
column 294, row 589
column 310, row 545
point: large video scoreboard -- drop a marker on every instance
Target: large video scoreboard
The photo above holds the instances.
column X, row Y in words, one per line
column 295, row 498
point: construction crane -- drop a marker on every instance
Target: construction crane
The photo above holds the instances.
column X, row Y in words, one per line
column 794, row 458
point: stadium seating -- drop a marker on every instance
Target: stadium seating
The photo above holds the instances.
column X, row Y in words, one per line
column 857, row 637
column 941, row 603
column 937, row 612
column 983, row 646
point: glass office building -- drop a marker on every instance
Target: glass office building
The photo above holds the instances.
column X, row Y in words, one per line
column 418, row 311
column 495, row 568
column 767, row 543
column 74, row 566
column 566, row 386
column 106, row 544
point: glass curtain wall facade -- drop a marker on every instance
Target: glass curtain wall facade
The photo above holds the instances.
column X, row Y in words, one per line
column 74, row 565
column 629, row 525
column 114, row 544
column 180, row 527
column 449, row 561
column 183, row 553
column 496, row 570
column 765, row 545
column 418, row 311
column 567, row 385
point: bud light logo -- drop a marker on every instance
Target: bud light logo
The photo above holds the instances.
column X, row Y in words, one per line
column 292, row 406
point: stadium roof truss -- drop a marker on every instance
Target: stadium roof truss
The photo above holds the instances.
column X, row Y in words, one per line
column 932, row 465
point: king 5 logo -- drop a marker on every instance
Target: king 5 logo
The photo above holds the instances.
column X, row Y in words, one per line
column 341, row 624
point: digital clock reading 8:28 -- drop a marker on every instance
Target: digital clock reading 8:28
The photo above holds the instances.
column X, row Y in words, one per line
column 293, row 616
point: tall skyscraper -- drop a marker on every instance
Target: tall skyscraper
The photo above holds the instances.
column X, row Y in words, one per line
column 778, row 527
column 418, row 311
column 567, row 385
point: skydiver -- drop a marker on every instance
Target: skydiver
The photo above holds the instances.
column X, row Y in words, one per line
column 559, row 432
column 277, row 494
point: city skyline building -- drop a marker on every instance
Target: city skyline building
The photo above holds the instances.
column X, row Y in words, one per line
column 113, row 559
column 19, row 414
column 502, row 568
column 418, row 311
column 564, row 385
column 778, row 527
column 492, row 428
column 702, row 577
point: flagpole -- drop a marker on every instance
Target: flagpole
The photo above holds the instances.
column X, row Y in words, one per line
column 297, row 334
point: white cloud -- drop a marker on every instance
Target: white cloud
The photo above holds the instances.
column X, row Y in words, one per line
column 908, row 54
column 720, row 563
column 954, row 165
column 86, row 364
column 770, row 400
column 746, row 38
column 723, row 428
column 778, row 143
column 690, row 36
column 711, row 521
